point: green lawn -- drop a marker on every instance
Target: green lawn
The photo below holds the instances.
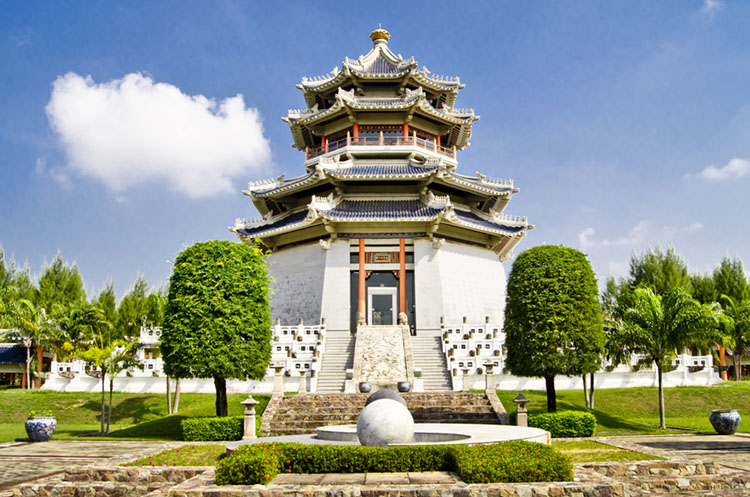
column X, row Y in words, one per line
column 636, row 410
column 134, row 416
column 590, row 451
column 143, row 416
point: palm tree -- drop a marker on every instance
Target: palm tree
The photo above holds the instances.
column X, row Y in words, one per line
column 735, row 325
column 657, row 327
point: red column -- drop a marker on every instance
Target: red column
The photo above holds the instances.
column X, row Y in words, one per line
column 437, row 140
column 362, row 285
column 401, row 275
column 355, row 131
column 406, row 130
column 325, row 143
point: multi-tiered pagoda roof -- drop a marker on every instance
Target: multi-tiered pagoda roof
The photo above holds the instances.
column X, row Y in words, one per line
column 380, row 138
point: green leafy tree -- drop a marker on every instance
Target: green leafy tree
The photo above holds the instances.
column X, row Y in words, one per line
column 217, row 321
column 735, row 326
column 729, row 279
column 704, row 289
column 60, row 283
column 81, row 323
column 107, row 302
column 658, row 327
column 553, row 321
column 139, row 307
column 660, row 271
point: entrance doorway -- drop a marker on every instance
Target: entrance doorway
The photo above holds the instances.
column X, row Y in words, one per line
column 382, row 305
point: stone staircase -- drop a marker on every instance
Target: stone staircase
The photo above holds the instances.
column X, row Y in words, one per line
column 300, row 414
column 338, row 356
column 428, row 356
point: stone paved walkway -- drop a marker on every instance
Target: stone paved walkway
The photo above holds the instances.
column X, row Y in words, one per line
column 727, row 450
column 21, row 462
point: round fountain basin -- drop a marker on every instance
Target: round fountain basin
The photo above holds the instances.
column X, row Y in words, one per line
column 445, row 433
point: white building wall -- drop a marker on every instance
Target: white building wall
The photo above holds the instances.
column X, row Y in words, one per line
column 336, row 287
column 428, row 296
column 297, row 284
column 472, row 281
column 456, row 281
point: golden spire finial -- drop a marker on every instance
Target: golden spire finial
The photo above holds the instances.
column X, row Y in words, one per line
column 380, row 34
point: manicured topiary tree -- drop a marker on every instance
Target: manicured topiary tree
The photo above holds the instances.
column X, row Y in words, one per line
column 553, row 321
column 217, row 322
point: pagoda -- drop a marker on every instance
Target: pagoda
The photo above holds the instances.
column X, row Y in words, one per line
column 381, row 223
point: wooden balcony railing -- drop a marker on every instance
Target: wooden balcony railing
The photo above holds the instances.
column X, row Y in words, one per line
column 382, row 140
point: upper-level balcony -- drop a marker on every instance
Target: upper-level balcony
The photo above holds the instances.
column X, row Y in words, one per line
column 382, row 140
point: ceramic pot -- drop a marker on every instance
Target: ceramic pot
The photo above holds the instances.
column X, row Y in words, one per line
column 403, row 386
column 365, row 386
column 725, row 421
column 40, row 429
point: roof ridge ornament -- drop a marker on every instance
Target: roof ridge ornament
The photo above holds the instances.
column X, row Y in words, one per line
column 380, row 35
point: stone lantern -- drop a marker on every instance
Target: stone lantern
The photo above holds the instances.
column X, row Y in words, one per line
column 522, row 417
column 248, row 430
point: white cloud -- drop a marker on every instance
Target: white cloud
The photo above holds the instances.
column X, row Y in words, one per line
column 585, row 238
column 41, row 168
column 640, row 233
column 735, row 169
column 711, row 7
column 131, row 131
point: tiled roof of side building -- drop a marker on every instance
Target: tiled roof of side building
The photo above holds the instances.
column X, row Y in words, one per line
column 12, row 353
column 471, row 218
column 288, row 220
column 382, row 209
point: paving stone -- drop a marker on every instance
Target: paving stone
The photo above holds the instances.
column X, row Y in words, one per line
column 343, row 479
column 386, row 479
column 438, row 477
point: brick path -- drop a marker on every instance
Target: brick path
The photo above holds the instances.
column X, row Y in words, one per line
column 24, row 461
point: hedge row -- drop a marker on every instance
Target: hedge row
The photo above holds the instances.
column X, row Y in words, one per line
column 565, row 424
column 212, row 429
column 503, row 462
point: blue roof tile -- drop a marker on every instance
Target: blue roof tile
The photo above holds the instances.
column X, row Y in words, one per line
column 382, row 209
column 382, row 170
column 472, row 218
column 290, row 219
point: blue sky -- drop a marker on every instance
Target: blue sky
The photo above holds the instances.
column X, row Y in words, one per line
column 625, row 124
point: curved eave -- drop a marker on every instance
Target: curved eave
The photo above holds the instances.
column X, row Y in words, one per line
column 274, row 227
column 456, row 181
column 291, row 186
column 464, row 220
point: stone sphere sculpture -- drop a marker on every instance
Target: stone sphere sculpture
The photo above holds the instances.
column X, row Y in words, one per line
column 385, row 422
column 385, row 394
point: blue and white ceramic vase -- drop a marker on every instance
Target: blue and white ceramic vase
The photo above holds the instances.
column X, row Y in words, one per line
column 725, row 421
column 403, row 386
column 41, row 428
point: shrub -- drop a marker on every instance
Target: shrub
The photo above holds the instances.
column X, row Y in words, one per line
column 506, row 462
column 248, row 467
column 565, row 424
column 512, row 462
column 212, row 429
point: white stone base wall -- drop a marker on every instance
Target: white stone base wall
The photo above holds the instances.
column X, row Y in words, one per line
column 603, row 380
